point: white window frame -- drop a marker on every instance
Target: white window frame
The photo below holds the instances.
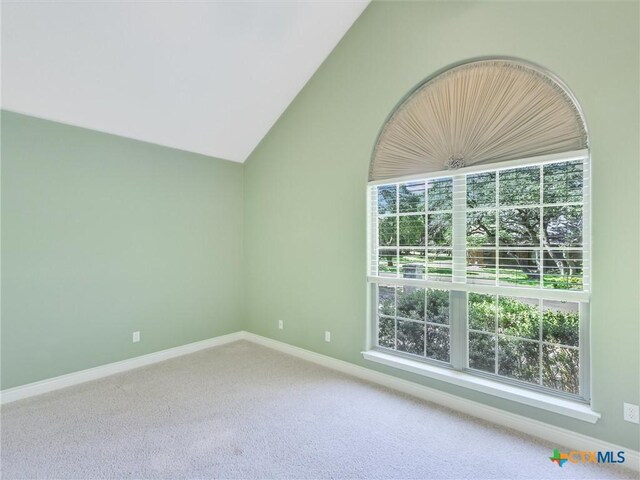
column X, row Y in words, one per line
column 457, row 372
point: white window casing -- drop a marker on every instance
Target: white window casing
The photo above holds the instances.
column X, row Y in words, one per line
column 477, row 120
column 459, row 287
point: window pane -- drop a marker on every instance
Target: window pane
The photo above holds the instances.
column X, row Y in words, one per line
column 387, row 262
column 482, row 351
column 524, row 227
column 563, row 182
column 482, row 312
column 518, row 359
column 481, row 267
column 560, row 322
column 520, row 227
column 387, row 199
column 439, row 229
column 519, row 267
column 412, row 263
column 437, row 306
column 387, row 232
column 520, row 186
column 563, row 269
column 560, row 368
column 562, row 226
column 386, row 332
column 519, row 317
column 481, row 190
column 481, row 228
column 387, row 300
column 410, row 337
column 410, row 302
column 439, row 264
column 438, row 342
column 412, row 197
column 412, row 231
column 440, row 194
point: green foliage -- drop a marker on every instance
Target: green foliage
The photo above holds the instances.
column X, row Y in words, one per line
column 438, row 306
column 412, row 231
column 387, row 201
column 411, row 197
column 482, row 351
column 518, row 318
column 438, row 342
column 411, row 337
column 387, row 233
column 563, row 282
column 563, row 182
column 481, row 228
column 520, row 186
column 411, row 302
column 521, row 358
column 440, row 194
column 563, row 226
column 560, row 368
column 440, row 229
column 561, row 327
column 520, row 227
column 520, row 354
column 386, row 332
column 481, row 190
column 518, row 359
column 386, row 300
column 482, row 312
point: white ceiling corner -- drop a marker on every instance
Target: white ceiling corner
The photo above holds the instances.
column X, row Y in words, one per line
column 206, row 77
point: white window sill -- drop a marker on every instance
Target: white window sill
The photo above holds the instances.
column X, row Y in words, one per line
column 561, row 406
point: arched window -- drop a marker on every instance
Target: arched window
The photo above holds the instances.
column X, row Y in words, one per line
column 479, row 229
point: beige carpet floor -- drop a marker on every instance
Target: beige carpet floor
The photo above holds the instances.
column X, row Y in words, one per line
column 244, row 411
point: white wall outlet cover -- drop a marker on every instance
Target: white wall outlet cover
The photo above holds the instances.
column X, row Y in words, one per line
column 327, row 336
column 280, row 324
column 632, row 413
column 136, row 337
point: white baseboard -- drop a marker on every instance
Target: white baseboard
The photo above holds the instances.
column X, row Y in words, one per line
column 556, row 435
column 62, row 381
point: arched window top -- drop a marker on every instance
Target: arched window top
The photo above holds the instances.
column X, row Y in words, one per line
column 479, row 112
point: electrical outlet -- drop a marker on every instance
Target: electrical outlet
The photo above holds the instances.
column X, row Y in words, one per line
column 632, row 413
column 136, row 337
column 327, row 336
column 280, row 324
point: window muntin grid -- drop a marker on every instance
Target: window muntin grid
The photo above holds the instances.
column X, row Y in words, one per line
column 414, row 224
column 533, row 239
column 525, row 226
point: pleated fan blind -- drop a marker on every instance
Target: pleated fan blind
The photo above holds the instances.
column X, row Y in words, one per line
column 480, row 112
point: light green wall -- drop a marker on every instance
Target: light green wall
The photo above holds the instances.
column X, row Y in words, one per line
column 305, row 183
column 102, row 236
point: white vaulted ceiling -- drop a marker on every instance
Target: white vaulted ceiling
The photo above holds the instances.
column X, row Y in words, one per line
column 206, row 77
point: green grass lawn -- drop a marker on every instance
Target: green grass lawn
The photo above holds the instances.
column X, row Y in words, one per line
column 506, row 276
